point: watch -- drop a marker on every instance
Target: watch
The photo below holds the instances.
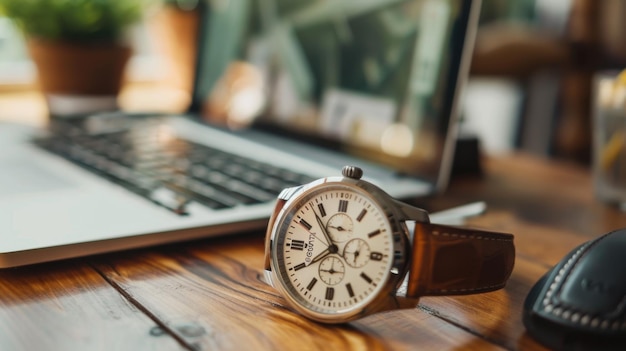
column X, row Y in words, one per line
column 340, row 248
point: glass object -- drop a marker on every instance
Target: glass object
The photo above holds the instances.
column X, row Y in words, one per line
column 609, row 139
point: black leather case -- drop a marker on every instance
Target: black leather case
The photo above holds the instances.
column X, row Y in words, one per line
column 580, row 304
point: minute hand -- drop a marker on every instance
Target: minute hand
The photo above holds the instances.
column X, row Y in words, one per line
column 323, row 227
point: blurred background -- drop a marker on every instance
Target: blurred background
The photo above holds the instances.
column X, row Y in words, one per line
column 529, row 88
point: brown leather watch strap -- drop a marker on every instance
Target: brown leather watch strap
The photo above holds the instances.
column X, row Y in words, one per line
column 458, row 261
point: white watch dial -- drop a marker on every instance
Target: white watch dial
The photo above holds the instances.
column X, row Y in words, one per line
column 333, row 250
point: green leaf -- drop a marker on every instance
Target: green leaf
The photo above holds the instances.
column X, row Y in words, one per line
column 75, row 20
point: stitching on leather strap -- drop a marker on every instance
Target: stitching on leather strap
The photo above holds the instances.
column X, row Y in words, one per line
column 466, row 236
column 478, row 289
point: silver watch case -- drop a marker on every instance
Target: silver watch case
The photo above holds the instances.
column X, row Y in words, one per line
column 393, row 294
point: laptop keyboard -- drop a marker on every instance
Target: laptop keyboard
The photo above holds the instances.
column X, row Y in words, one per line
column 168, row 170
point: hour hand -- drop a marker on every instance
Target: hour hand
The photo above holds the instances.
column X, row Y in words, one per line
column 321, row 255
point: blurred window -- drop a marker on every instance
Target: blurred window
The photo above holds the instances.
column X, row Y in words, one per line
column 15, row 67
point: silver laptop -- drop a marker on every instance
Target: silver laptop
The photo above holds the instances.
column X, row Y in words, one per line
column 286, row 92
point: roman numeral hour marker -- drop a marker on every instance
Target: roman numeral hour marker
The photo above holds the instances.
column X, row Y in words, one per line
column 361, row 215
column 330, row 293
column 343, row 205
column 305, row 224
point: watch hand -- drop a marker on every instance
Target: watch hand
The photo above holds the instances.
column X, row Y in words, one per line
column 321, row 255
column 323, row 227
column 331, row 271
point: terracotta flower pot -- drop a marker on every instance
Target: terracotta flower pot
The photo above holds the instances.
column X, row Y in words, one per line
column 79, row 78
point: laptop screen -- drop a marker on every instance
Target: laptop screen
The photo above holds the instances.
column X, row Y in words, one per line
column 373, row 78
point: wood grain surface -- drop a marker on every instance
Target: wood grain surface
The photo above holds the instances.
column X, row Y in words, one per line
column 69, row 306
column 207, row 294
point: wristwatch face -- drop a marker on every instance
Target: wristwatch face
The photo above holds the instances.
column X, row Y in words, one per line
column 333, row 250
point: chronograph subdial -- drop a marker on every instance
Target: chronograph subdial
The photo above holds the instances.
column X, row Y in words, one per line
column 340, row 227
column 356, row 253
column 332, row 270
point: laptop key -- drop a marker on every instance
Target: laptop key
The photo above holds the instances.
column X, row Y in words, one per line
column 238, row 186
column 221, row 183
column 182, row 196
column 211, row 192
column 170, row 199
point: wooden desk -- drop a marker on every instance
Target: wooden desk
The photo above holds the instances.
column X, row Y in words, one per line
column 207, row 295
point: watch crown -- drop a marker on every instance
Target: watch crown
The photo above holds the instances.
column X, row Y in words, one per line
column 352, row 172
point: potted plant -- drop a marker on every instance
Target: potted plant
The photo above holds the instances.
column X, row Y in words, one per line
column 78, row 47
